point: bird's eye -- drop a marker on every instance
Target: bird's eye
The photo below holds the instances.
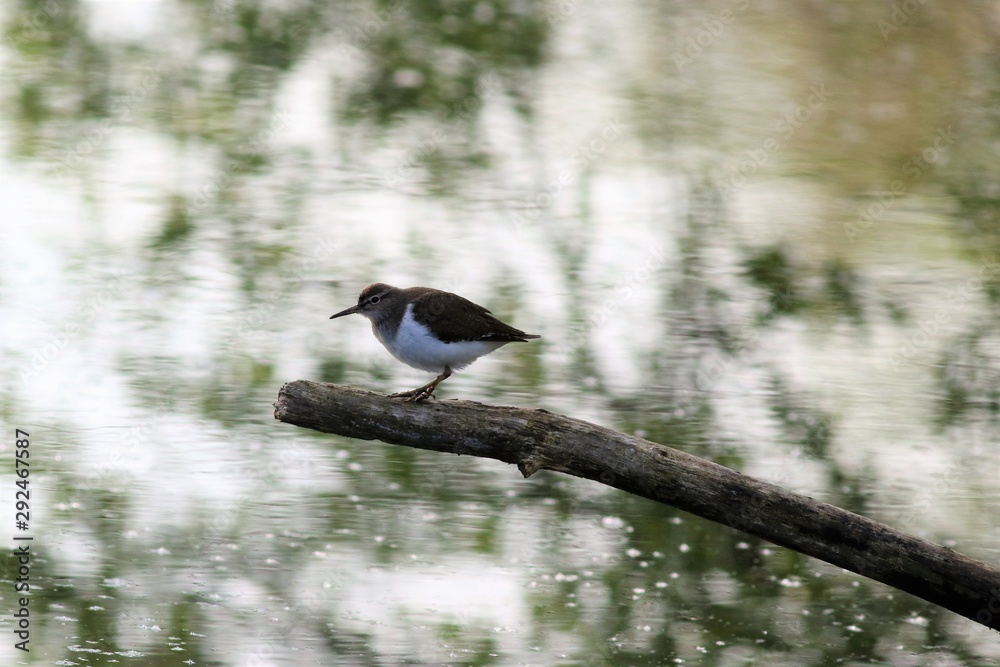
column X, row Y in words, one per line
column 374, row 299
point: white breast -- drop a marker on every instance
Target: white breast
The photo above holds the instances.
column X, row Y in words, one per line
column 415, row 346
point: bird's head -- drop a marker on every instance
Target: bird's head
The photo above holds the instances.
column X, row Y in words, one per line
column 374, row 302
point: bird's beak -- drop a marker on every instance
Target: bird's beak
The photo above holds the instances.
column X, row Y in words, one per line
column 347, row 311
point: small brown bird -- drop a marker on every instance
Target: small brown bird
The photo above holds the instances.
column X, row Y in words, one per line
column 432, row 330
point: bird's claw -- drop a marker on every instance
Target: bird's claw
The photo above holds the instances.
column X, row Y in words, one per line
column 413, row 395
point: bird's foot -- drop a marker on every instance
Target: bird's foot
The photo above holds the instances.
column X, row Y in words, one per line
column 424, row 392
column 414, row 395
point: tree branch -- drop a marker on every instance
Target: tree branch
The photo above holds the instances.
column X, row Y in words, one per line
column 539, row 440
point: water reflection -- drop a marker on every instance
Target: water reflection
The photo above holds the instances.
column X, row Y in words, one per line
column 771, row 243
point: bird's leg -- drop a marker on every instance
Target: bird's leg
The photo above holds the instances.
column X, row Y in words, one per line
column 426, row 391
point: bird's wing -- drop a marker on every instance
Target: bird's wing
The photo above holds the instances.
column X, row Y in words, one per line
column 455, row 319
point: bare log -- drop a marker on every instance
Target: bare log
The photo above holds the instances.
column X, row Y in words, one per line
column 539, row 440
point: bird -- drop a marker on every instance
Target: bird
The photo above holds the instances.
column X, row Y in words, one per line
column 431, row 330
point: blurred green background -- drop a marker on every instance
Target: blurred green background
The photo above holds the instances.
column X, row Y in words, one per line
column 762, row 232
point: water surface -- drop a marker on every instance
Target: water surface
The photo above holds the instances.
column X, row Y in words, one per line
column 762, row 233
